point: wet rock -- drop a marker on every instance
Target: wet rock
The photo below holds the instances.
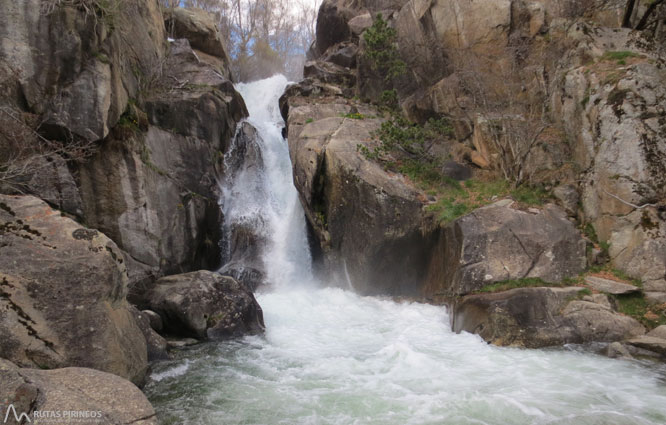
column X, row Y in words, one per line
column 610, row 286
column 617, row 350
column 540, row 317
column 62, row 294
column 101, row 397
column 156, row 345
column 497, row 243
column 205, row 305
column 174, row 343
column 650, row 343
column 154, row 319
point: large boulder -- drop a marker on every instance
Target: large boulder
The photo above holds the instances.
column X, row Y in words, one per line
column 200, row 29
column 369, row 225
column 63, row 289
column 71, row 63
column 501, row 242
column 204, row 305
column 541, row 317
column 74, row 395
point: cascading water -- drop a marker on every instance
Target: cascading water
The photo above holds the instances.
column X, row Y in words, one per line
column 332, row 357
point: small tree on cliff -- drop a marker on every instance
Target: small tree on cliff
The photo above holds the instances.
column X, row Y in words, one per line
column 381, row 50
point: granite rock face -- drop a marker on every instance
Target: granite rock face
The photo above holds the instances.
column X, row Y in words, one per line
column 497, row 243
column 63, row 289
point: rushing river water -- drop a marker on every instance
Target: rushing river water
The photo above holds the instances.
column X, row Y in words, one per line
column 330, row 356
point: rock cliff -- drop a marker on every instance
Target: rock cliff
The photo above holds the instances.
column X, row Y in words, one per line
column 550, row 94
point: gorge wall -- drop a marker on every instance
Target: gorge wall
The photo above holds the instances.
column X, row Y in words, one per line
column 551, row 95
column 113, row 135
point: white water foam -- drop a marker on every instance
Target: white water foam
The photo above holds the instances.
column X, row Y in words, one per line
column 330, row 356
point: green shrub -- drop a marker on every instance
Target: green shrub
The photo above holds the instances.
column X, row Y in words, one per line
column 381, row 49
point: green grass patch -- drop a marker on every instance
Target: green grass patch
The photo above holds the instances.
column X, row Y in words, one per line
column 309, row 120
column 354, row 116
column 530, row 195
column 528, row 282
column 636, row 306
column 619, row 56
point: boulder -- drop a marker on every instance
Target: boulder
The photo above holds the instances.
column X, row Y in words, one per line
column 343, row 54
column 658, row 332
column 540, row 317
column 360, row 23
column 154, row 319
column 500, row 242
column 610, row 286
column 79, row 395
column 204, row 305
column 650, row 343
column 568, row 197
column 156, row 345
column 369, row 228
column 200, row 29
column 329, row 72
column 63, row 289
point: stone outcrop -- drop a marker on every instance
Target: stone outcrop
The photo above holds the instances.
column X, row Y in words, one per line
column 604, row 147
column 497, row 243
column 91, row 395
column 613, row 109
column 62, row 294
column 70, row 64
column 158, row 178
column 541, row 317
column 199, row 28
column 205, row 305
column 158, row 116
column 370, row 230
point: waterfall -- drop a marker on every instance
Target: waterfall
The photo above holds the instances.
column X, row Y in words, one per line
column 260, row 194
column 331, row 357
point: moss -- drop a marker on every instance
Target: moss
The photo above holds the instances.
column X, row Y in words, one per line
column 309, row 120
